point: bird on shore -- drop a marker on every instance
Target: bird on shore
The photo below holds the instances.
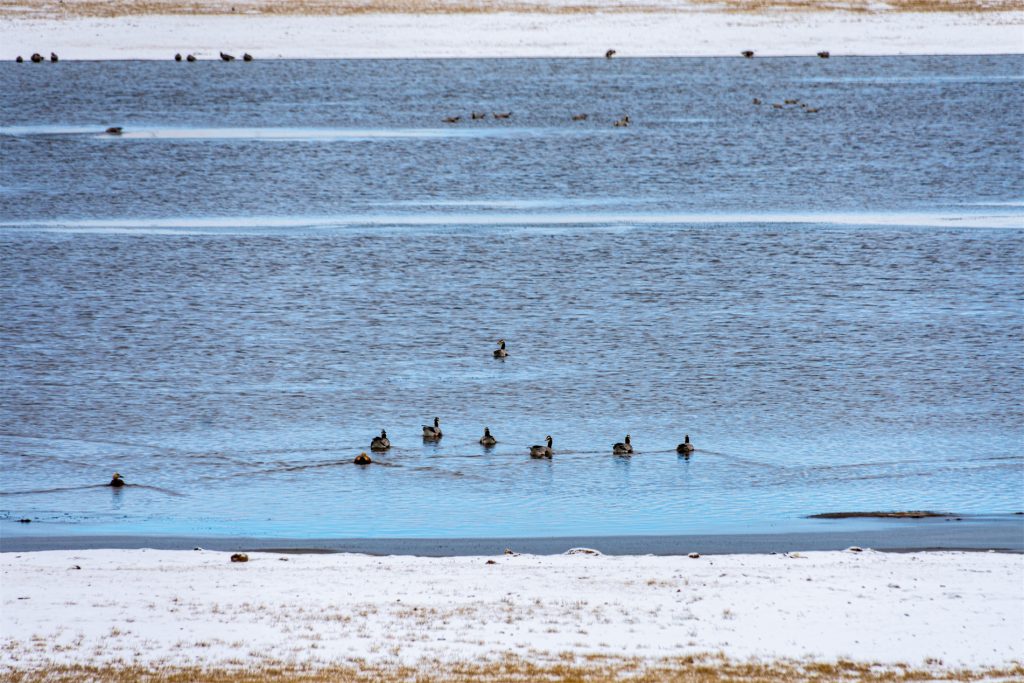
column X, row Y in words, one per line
column 623, row 447
column 749, row 54
column 433, row 433
column 487, row 439
column 824, row 54
column 227, row 57
column 117, row 482
column 685, row 447
column 54, row 58
column 190, row 58
column 609, row 54
column 380, row 443
column 542, row 451
column 177, row 56
column 500, row 352
column 247, row 57
column 452, row 119
column 579, row 117
column 362, row 459
column 500, row 115
column 114, row 130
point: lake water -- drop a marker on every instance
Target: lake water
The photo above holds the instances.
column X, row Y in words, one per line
column 276, row 260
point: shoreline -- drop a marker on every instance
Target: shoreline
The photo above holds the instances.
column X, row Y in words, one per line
column 1001, row 534
column 168, row 610
column 499, row 34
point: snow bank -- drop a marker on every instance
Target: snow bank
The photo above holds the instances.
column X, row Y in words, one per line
column 187, row 608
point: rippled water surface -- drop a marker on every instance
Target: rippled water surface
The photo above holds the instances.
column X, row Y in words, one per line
column 276, row 260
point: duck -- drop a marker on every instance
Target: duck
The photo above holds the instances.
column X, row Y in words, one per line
column 54, row 57
column 505, row 115
column 622, row 123
column 824, row 54
column 227, row 57
column 20, row 59
column 477, row 115
column 685, row 447
column 117, row 482
column 757, row 100
column 380, row 443
column 433, row 433
column 114, row 130
column 190, row 58
column 487, row 439
column 362, row 459
column 609, row 54
column 36, row 58
column 579, row 117
column 749, row 54
column 247, row 57
column 452, row 119
column 500, row 352
column 542, row 451
column 177, row 56
column 623, row 448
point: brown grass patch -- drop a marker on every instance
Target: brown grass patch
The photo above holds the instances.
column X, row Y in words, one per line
column 566, row 668
column 118, row 8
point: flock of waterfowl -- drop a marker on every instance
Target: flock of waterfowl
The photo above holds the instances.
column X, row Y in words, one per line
column 432, row 432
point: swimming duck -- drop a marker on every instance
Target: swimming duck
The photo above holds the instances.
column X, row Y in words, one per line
column 542, row 451
column 685, row 447
column 579, row 117
column 54, row 57
column 36, row 58
column 247, row 57
column 500, row 352
column 190, row 58
column 477, row 115
column 380, row 443
column 114, row 130
column 227, row 57
column 433, row 433
column 20, row 59
column 609, row 54
column 505, row 115
column 487, row 439
column 748, row 54
column 623, row 448
column 177, row 56
column 824, row 54
column 452, row 119
column 362, row 459
column 757, row 100
column 622, row 123
column 117, row 482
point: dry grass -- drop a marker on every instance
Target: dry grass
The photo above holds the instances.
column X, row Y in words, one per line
column 116, row 8
column 566, row 668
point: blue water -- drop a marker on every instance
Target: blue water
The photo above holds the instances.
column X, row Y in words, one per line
column 276, row 260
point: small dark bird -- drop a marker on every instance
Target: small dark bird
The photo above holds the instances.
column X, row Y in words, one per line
column 792, row 101
column 36, row 58
column 54, row 58
column 579, row 117
column 117, row 482
column 776, row 105
column 19, row 60
column 748, row 54
column 824, row 54
column 487, row 440
column 114, row 130
column 247, row 57
column 477, row 115
column 380, row 443
column 685, row 447
column 453, row 119
column 542, row 451
column 433, row 433
column 623, row 447
column 609, row 54
column 190, row 58
column 506, row 115
column 177, row 57
column 500, row 352
column 757, row 100
column 226, row 57
column 622, row 123
column 362, row 459
column 810, row 110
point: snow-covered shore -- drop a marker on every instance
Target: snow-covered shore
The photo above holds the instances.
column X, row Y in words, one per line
column 176, row 608
column 513, row 34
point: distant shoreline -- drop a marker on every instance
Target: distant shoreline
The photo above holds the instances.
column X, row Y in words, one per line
column 696, row 30
column 1003, row 533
